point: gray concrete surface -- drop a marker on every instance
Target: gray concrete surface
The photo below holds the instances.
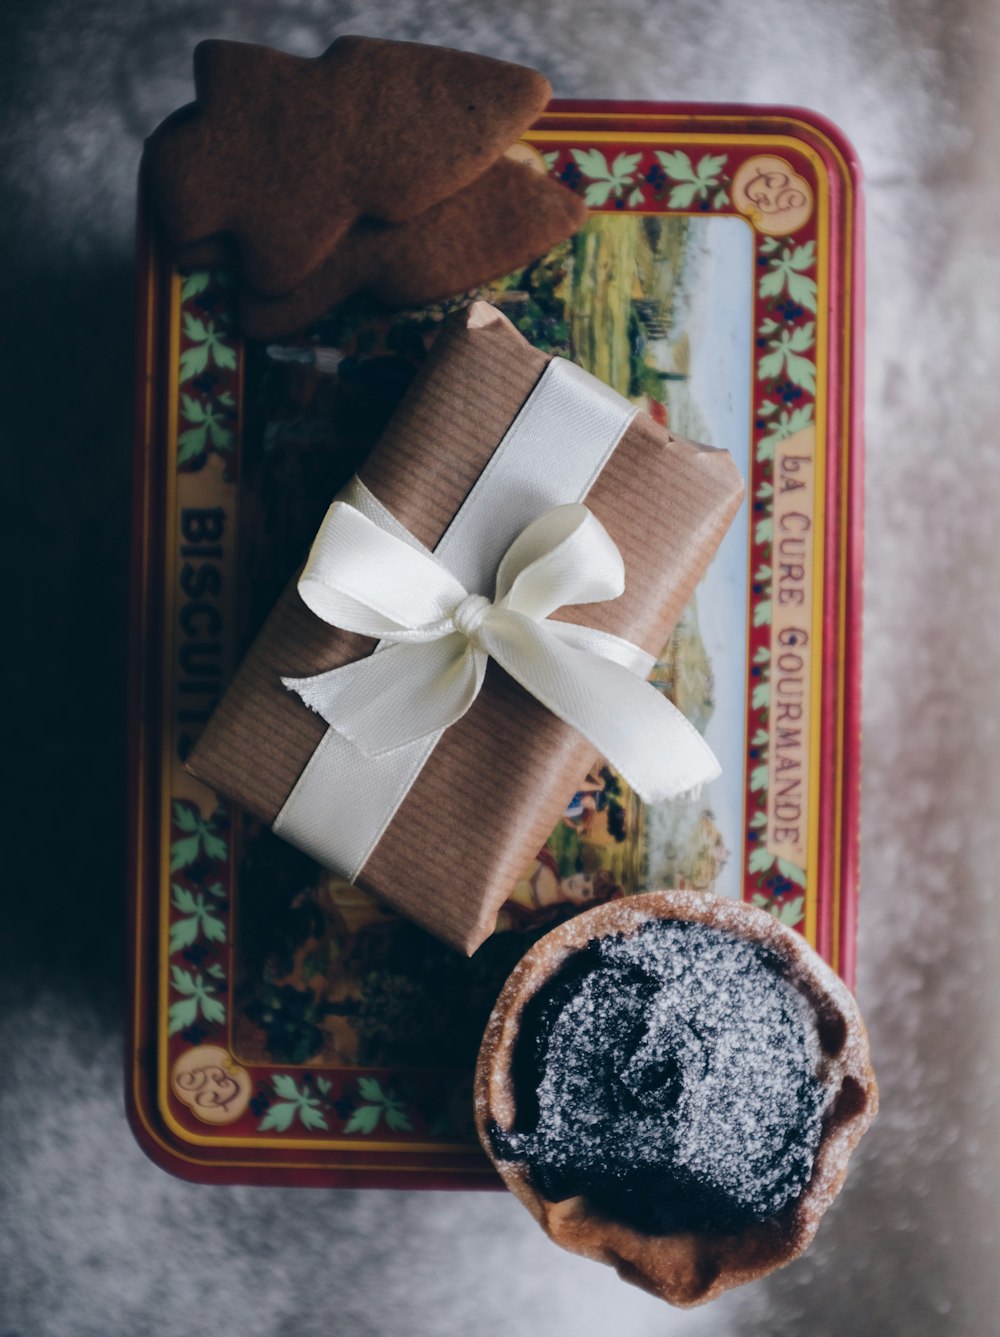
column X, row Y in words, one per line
column 93, row 1238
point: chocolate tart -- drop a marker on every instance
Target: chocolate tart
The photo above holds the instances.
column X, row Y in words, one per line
column 673, row 1084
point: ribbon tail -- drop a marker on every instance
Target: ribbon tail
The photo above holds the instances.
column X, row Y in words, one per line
column 645, row 737
column 397, row 695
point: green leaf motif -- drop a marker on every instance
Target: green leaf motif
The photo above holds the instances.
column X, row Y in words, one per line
column 677, row 165
column 769, row 365
column 195, row 328
column 212, row 1009
column 761, row 696
column 791, row 912
column 762, row 613
column 763, row 530
column 192, row 409
column 699, row 180
column 215, row 846
column 278, row 1118
column 311, row 1116
column 799, row 418
column 285, row 1086
column 194, row 283
column 397, row 1120
column 184, row 817
column 758, row 820
column 771, row 283
column 710, row 166
column 183, row 932
column 683, row 195
column 802, row 338
column 804, row 257
column 191, row 444
column 323, row 1085
column 802, row 289
column 198, row 995
column 364, row 1119
column 370, row 1089
column 786, row 355
column 760, row 738
column 186, row 850
column 181, row 1014
column 762, row 655
column 782, row 428
column 209, row 426
column 193, row 361
column 758, row 778
column 801, row 371
column 282, row 1114
column 597, row 194
column 591, row 162
column 786, row 271
column 605, row 180
column 183, row 981
column 213, row 929
column 792, row 871
column 206, row 344
column 183, row 900
column 624, row 165
column 760, row 859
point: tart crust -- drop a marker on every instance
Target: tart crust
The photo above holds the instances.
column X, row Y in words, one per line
column 687, row 1268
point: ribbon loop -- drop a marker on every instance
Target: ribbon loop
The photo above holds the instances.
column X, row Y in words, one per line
column 566, row 556
column 437, row 637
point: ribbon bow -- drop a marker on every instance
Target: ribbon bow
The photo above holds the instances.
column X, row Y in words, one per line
column 437, row 637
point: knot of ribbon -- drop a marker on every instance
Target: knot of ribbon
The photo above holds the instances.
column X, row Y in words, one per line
column 436, row 638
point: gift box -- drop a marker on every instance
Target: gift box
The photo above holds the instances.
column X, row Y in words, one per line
column 501, row 774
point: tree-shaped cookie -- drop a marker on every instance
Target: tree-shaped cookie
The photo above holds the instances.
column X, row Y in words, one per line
column 286, row 153
column 498, row 223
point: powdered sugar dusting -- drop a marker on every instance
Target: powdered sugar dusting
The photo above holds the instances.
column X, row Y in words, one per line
column 674, row 1076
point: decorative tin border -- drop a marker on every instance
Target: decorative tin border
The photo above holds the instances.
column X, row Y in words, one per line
column 792, row 304
column 779, row 185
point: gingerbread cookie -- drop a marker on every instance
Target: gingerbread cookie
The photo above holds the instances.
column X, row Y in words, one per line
column 500, row 222
column 285, row 154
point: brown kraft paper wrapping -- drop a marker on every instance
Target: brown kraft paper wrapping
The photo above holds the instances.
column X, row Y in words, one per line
column 502, row 775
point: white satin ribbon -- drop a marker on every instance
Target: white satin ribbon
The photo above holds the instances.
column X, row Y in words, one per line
column 364, row 579
column 557, row 445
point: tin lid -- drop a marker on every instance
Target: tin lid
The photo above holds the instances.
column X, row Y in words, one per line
column 336, row 1043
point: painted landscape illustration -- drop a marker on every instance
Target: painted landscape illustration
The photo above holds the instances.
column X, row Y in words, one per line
column 659, row 308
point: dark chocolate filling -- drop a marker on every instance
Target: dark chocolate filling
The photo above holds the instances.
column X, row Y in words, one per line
column 671, row 1078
